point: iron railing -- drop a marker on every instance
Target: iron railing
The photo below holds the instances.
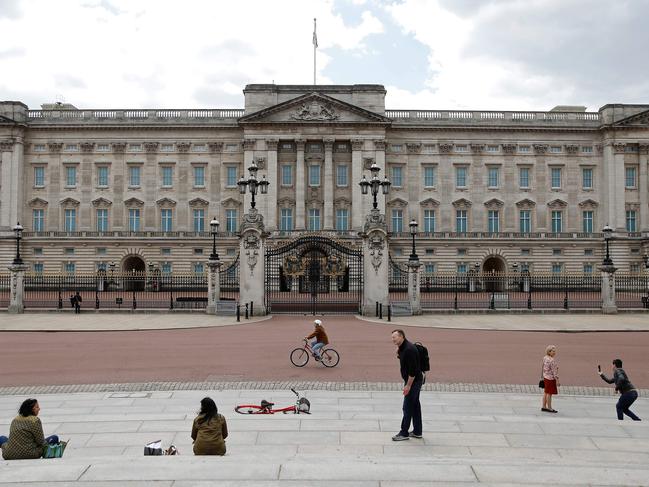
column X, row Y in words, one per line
column 5, row 286
column 229, row 281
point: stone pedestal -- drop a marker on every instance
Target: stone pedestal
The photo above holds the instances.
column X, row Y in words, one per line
column 414, row 292
column 213, row 286
column 375, row 262
column 252, row 248
column 17, row 288
column 609, row 305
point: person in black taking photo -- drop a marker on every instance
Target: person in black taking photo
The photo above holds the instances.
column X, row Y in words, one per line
column 413, row 380
column 628, row 392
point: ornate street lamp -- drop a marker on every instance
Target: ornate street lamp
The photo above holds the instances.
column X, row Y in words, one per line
column 253, row 184
column 413, row 232
column 214, row 228
column 18, row 230
column 375, row 184
column 608, row 234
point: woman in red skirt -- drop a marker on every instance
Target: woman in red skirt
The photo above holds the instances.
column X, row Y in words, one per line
column 550, row 378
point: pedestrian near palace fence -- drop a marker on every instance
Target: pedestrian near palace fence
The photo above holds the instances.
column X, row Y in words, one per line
column 550, row 371
column 628, row 392
column 413, row 380
column 209, row 430
column 77, row 303
column 26, row 439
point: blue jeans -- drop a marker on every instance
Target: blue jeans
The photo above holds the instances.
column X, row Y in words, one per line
column 52, row 440
column 316, row 346
column 3, row 440
column 624, row 403
column 412, row 411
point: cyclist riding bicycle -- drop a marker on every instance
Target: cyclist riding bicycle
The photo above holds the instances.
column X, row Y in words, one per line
column 321, row 338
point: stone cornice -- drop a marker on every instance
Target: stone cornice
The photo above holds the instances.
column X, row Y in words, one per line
column 87, row 147
column 477, row 148
column 643, row 147
column 183, row 146
column 249, row 144
column 215, row 147
column 445, row 147
column 133, row 202
column 151, row 147
column 165, row 202
column 618, row 147
column 509, row 149
column 540, row 148
column 101, row 202
column 6, row 145
column 379, row 144
column 119, row 146
column 413, row 147
column 299, row 144
column 271, row 144
column 571, row 149
column 328, row 143
column 55, row 146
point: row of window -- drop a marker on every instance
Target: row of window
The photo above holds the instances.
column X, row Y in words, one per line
column 71, row 267
column 556, row 268
column 524, row 149
column 135, row 147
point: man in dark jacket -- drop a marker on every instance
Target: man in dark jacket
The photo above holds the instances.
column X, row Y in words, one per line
column 413, row 380
column 628, row 392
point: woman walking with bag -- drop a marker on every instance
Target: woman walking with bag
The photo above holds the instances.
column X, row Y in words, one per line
column 550, row 374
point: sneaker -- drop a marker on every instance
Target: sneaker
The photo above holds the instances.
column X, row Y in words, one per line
column 399, row 438
column 317, row 359
column 413, row 435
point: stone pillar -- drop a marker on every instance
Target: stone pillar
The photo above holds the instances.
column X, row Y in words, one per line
column 252, row 251
column 17, row 288
column 379, row 158
column 11, row 197
column 213, row 286
column 248, row 158
column 273, row 179
column 300, row 180
column 414, row 292
column 643, row 186
column 608, row 289
column 328, row 185
column 357, row 173
column 375, row 262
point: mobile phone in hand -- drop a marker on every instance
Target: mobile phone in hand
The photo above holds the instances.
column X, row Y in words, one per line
column 599, row 368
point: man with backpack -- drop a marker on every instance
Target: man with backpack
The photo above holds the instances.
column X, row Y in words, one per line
column 413, row 379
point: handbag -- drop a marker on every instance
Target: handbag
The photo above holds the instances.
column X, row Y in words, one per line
column 54, row 451
column 542, row 384
column 153, row 449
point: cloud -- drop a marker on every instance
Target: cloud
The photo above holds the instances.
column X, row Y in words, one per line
column 10, row 9
column 12, row 52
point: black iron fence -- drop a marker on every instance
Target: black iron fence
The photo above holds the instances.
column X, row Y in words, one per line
column 229, row 281
column 397, row 282
column 631, row 291
column 5, row 286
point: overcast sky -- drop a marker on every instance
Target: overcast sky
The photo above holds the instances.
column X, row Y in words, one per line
column 429, row 54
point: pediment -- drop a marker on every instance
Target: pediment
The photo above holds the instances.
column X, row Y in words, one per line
column 462, row 203
column 198, row 202
column 557, row 204
column 397, row 203
column 494, row 203
column 133, row 202
column 37, row 202
column 230, row 202
column 286, row 202
column 429, row 202
column 638, row 120
column 589, row 203
column 526, row 203
column 165, row 202
column 101, row 202
column 69, row 202
column 342, row 201
column 315, row 108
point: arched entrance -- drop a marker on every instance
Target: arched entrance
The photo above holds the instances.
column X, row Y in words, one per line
column 133, row 270
column 496, row 267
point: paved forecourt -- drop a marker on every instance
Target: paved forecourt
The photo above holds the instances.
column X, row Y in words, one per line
column 469, row 438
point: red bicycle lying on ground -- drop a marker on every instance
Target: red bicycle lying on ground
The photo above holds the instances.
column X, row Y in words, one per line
column 328, row 356
column 301, row 406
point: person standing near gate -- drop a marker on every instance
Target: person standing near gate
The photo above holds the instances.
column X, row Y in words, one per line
column 413, row 380
column 628, row 392
column 320, row 336
column 77, row 302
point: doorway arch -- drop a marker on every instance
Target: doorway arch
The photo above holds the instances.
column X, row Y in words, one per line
column 496, row 266
column 133, row 270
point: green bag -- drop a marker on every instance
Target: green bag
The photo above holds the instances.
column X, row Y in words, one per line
column 54, row 451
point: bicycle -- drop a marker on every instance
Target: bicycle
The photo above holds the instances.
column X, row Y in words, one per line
column 301, row 406
column 300, row 356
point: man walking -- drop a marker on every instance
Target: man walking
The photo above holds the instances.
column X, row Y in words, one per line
column 413, row 380
column 77, row 302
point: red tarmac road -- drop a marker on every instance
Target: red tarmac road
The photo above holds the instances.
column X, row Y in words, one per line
column 260, row 351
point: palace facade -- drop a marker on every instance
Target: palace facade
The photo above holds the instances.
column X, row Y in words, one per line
column 494, row 190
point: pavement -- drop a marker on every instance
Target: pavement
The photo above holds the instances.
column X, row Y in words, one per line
column 469, row 438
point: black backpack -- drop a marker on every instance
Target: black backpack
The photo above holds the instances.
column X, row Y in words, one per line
column 424, row 360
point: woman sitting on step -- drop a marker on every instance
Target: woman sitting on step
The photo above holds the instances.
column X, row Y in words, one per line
column 26, row 439
column 209, row 430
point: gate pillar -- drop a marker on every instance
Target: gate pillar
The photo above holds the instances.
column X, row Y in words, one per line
column 414, row 292
column 17, row 288
column 609, row 305
column 213, row 286
column 375, row 263
column 252, row 249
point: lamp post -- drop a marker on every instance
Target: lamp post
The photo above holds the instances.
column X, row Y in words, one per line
column 214, row 228
column 413, row 231
column 18, row 230
column 253, row 184
column 375, row 184
column 608, row 234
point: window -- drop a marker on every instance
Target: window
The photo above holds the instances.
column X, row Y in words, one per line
column 102, row 220
column 315, row 148
column 587, row 219
column 397, row 221
column 71, row 176
column 134, row 176
column 557, row 221
column 634, row 268
column 71, row 148
column 101, row 250
column 167, row 176
column 556, row 251
column 199, row 148
column 461, row 148
column 166, row 220
column 587, row 178
column 38, row 250
column 429, row 268
column 629, row 177
column 134, row 220
column 231, row 220
column 557, row 268
column 166, row 268
column 103, row 147
column 39, row 176
column 342, row 219
column 102, row 176
column 397, row 176
column 69, row 268
column 525, row 252
column 198, row 251
column 429, row 176
column 286, row 219
column 199, row 176
column 525, row 266
column 429, row 221
column 166, row 148
column 493, row 221
column 460, row 221
column 38, row 267
column 314, row 217
column 461, row 268
column 588, row 251
column 199, row 220
column 631, row 221
column 556, row 177
column 524, row 148
column 231, row 176
column 135, row 147
column 493, row 177
column 587, row 149
column 341, row 175
column 39, row 147
column 70, row 220
column 38, row 220
column 588, row 268
column 430, row 251
column 555, row 149
column 492, row 148
column 525, row 221
column 396, row 148
column 198, row 268
column 524, row 177
column 287, row 175
column 314, row 175
column 165, row 251
column 461, row 251
column 460, row 177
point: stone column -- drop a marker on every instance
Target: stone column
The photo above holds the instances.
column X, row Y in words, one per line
column 17, row 288
column 414, row 292
column 643, row 186
column 11, row 197
column 379, row 158
column 357, row 173
column 213, row 286
column 608, row 289
column 614, row 186
column 375, row 262
column 252, row 251
column 273, row 179
column 248, row 158
column 300, row 180
column 328, row 185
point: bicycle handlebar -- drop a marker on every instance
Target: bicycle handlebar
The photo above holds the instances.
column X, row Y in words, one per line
column 293, row 391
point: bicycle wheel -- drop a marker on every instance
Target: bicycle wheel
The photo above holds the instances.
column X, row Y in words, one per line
column 299, row 357
column 250, row 409
column 329, row 357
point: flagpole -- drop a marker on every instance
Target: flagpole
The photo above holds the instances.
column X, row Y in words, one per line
column 315, row 45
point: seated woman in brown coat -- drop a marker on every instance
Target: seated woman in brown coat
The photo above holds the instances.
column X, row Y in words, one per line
column 209, row 430
column 26, row 439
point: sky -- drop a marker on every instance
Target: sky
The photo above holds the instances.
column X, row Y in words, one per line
column 429, row 54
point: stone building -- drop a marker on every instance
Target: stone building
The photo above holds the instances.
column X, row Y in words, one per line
column 490, row 189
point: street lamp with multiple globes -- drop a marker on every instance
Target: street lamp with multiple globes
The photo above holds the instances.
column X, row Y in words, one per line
column 413, row 231
column 608, row 234
column 375, row 184
column 214, row 228
column 18, row 230
column 253, row 184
